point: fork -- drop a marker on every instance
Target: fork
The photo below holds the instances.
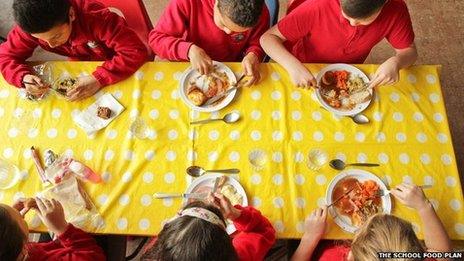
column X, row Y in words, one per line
column 385, row 192
column 365, row 87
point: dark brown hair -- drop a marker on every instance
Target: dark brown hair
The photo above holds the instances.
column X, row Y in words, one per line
column 12, row 238
column 245, row 13
column 359, row 9
column 193, row 239
column 39, row 16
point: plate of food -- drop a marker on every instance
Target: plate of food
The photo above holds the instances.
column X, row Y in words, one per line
column 196, row 89
column 63, row 85
column 354, row 192
column 341, row 89
column 228, row 186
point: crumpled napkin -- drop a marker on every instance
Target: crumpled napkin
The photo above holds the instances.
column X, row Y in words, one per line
column 88, row 119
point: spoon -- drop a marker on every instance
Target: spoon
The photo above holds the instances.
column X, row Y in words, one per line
column 360, row 118
column 357, row 118
column 196, row 171
column 228, row 118
column 341, row 165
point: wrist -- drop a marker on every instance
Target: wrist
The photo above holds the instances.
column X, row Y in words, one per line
column 234, row 214
column 191, row 52
column 310, row 239
column 252, row 56
column 424, row 207
column 395, row 62
column 61, row 229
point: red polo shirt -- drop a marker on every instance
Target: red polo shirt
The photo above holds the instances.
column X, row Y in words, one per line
column 318, row 33
column 187, row 22
column 97, row 35
column 73, row 245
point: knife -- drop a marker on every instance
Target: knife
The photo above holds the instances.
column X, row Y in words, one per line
column 220, row 96
column 180, row 195
column 342, row 196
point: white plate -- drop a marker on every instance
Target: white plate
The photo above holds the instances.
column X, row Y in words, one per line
column 184, row 84
column 208, row 180
column 354, row 71
column 343, row 221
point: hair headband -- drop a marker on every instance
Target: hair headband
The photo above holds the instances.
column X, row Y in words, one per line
column 204, row 214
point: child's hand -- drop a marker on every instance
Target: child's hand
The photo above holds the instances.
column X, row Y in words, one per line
column 387, row 73
column 301, row 76
column 20, row 206
column 38, row 88
column 315, row 225
column 223, row 203
column 52, row 215
column 250, row 67
column 199, row 59
column 410, row 195
column 86, row 86
column 23, row 205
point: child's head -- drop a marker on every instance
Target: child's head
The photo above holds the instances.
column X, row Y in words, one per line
column 197, row 233
column 237, row 15
column 384, row 233
column 47, row 20
column 361, row 12
column 13, row 233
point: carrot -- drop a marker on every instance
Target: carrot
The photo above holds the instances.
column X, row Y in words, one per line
column 341, row 79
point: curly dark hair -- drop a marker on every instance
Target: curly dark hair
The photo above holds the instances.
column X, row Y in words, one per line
column 39, row 16
column 244, row 13
column 193, row 239
column 359, row 9
column 11, row 236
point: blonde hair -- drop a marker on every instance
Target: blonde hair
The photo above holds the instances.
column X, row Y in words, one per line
column 384, row 233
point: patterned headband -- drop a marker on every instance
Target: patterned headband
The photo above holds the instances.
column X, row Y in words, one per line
column 204, row 214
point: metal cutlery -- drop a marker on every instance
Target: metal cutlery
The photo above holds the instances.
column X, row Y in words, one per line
column 385, row 192
column 216, row 98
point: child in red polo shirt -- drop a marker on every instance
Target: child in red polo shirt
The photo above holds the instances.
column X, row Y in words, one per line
column 72, row 244
column 80, row 29
column 332, row 31
column 380, row 233
column 221, row 30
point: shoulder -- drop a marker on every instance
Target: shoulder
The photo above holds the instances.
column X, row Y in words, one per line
column 90, row 11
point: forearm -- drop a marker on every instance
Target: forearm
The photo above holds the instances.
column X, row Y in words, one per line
column 305, row 250
column 406, row 57
column 169, row 47
column 435, row 234
column 274, row 47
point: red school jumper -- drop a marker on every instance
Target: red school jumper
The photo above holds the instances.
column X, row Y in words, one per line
column 187, row 22
column 73, row 245
column 97, row 35
column 318, row 33
column 255, row 235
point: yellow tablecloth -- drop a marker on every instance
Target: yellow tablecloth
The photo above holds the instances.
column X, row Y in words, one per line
column 409, row 136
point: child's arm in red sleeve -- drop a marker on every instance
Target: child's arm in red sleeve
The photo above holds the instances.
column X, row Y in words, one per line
column 13, row 53
column 256, row 234
column 263, row 25
column 166, row 39
column 130, row 52
column 78, row 245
